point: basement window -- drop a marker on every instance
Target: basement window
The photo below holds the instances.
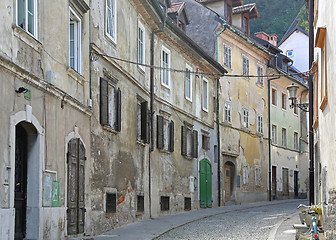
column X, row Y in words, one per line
column 140, row 203
column 164, row 203
column 187, row 204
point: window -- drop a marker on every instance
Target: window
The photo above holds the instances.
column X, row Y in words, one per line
column 290, row 53
column 205, row 96
column 245, row 118
column 274, row 97
column 260, row 124
column 75, row 41
column 188, row 83
column 246, row 66
column 143, row 121
column 227, row 112
column 295, row 107
column 111, row 202
column 189, row 146
column 27, row 16
column 111, row 20
column 110, row 105
column 227, row 56
column 164, row 203
column 187, row 204
column 228, row 13
column 165, row 64
column 260, row 73
column 181, row 25
column 284, row 137
column 165, row 134
column 245, row 175
column 141, row 46
column 257, row 176
column 283, row 101
column 140, row 203
column 321, row 43
column 205, row 142
column 296, row 141
column 245, row 25
column 274, row 134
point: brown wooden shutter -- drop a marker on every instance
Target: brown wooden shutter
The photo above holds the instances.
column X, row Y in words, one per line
column 195, row 144
column 117, row 95
column 144, row 120
column 171, row 136
column 81, row 186
column 103, row 101
column 160, row 141
column 184, row 140
column 148, row 127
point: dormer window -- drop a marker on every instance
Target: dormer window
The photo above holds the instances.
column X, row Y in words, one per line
column 181, row 25
column 178, row 13
column 245, row 25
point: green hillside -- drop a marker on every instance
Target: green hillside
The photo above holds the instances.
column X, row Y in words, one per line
column 276, row 16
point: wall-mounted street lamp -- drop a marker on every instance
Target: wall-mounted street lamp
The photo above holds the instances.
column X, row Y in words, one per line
column 292, row 93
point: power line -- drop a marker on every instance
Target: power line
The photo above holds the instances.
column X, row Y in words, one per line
column 95, row 56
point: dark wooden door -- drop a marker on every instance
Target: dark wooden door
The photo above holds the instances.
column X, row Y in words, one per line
column 285, row 189
column 296, row 183
column 20, row 192
column 227, row 182
column 76, row 183
column 274, row 182
column 205, row 184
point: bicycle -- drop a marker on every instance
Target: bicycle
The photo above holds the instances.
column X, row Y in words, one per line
column 309, row 224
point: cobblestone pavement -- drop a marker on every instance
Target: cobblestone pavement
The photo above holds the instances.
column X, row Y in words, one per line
column 243, row 224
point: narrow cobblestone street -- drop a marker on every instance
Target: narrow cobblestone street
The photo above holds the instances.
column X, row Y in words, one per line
column 248, row 223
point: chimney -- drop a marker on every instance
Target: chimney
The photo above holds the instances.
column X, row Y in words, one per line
column 273, row 39
column 262, row 36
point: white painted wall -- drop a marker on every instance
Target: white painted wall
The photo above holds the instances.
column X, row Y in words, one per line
column 299, row 43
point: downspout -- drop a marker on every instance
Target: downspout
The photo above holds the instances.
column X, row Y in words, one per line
column 217, row 113
column 151, row 148
column 269, row 138
column 90, row 62
column 311, row 100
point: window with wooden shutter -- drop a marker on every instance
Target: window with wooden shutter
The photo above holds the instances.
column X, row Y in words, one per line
column 160, row 140
column 195, row 144
column 205, row 142
column 171, row 136
column 103, row 101
column 144, row 120
column 184, row 140
column 117, row 123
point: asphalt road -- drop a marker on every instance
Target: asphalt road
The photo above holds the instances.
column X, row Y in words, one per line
column 242, row 224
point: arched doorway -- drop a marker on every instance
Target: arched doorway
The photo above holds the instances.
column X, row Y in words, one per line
column 229, row 179
column 205, row 183
column 76, row 187
column 26, row 189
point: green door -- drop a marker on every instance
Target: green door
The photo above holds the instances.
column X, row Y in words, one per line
column 205, row 184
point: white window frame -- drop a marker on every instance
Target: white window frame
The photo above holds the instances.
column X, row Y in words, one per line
column 260, row 124
column 143, row 44
column 77, row 40
column 284, row 107
column 245, row 122
column 188, row 68
column 227, row 51
column 260, row 80
column 205, row 99
column 26, row 12
column 284, row 137
column 274, row 134
column 245, row 66
column 167, row 51
column 227, row 112
column 113, row 18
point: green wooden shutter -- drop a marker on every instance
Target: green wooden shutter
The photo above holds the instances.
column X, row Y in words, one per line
column 202, row 183
column 144, row 120
column 209, row 184
column 171, row 136
column 184, row 140
column 160, row 140
column 117, row 95
column 103, row 101
column 195, row 144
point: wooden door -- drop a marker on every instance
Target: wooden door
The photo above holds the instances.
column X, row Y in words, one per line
column 274, row 182
column 20, row 191
column 296, row 183
column 76, row 181
column 285, row 189
column 227, row 183
column 205, row 184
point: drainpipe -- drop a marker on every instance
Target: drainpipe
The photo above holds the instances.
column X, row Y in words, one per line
column 90, row 62
column 311, row 100
column 217, row 111
column 151, row 148
column 269, row 138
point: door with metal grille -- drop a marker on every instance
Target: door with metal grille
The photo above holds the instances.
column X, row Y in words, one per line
column 76, row 208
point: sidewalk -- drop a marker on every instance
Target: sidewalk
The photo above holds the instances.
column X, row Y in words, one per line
column 149, row 229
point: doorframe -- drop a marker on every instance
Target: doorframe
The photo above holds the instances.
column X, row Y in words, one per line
column 26, row 116
column 71, row 135
column 276, row 180
column 234, row 183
